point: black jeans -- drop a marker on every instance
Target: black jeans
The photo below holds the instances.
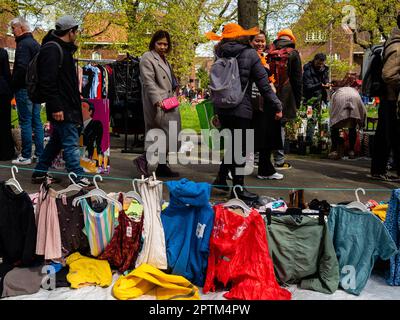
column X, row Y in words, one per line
column 231, row 123
column 265, row 166
column 386, row 138
column 336, row 140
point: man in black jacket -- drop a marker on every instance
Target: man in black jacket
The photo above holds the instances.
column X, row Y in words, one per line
column 28, row 112
column 235, row 43
column 316, row 78
column 58, row 82
column 315, row 85
column 290, row 91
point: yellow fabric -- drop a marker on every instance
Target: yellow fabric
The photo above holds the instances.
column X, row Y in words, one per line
column 232, row 31
column 380, row 211
column 288, row 33
column 150, row 281
column 84, row 271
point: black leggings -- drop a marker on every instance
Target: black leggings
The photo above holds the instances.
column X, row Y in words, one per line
column 265, row 166
column 231, row 123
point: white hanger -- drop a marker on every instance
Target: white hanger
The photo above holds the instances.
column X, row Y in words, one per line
column 97, row 193
column 13, row 181
column 72, row 187
column 238, row 202
column 358, row 204
column 134, row 194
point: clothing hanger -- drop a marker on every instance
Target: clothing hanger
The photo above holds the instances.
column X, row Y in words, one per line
column 72, row 187
column 238, row 202
column 97, row 192
column 13, row 181
column 134, row 194
column 358, row 204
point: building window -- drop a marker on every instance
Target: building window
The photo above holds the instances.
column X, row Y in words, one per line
column 334, row 57
column 316, row 36
column 96, row 55
column 11, row 54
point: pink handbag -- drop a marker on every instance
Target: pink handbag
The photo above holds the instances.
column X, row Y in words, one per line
column 170, row 103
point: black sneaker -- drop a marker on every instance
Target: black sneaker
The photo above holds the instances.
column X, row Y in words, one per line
column 221, row 184
column 84, row 182
column 39, row 178
column 245, row 195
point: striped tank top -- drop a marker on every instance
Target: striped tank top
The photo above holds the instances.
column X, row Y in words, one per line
column 99, row 227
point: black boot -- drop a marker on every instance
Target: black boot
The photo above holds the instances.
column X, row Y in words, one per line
column 164, row 171
column 221, row 184
column 244, row 195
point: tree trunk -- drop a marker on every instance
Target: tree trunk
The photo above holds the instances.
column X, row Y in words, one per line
column 248, row 13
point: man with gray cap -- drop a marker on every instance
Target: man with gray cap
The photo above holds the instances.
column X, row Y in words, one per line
column 58, row 85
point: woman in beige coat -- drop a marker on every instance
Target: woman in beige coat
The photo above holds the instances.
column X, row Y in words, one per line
column 158, row 83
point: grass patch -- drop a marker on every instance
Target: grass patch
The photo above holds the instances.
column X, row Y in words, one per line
column 190, row 120
column 14, row 117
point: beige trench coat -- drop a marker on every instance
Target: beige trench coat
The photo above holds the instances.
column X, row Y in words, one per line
column 156, row 78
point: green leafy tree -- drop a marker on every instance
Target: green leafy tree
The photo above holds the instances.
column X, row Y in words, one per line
column 204, row 77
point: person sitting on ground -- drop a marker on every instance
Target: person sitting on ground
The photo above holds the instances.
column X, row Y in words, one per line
column 347, row 111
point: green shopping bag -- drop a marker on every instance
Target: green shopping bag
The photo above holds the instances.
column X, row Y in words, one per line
column 208, row 121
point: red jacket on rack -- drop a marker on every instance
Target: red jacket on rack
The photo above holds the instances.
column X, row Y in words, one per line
column 239, row 258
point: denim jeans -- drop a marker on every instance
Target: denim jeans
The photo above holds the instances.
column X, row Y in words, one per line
column 65, row 136
column 279, row 155
column 29, row 118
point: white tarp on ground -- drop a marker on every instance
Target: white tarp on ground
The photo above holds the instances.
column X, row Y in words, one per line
column 376, row 289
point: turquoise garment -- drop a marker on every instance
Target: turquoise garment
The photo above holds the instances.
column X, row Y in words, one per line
column 359, row 239
column 392, row 223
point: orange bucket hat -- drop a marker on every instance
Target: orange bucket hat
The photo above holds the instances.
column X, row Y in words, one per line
column 287, row 33
column 232, row 31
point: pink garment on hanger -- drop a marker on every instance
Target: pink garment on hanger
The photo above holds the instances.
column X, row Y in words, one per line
column 48, row 240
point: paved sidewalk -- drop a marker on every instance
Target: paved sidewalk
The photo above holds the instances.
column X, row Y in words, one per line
column 307, row 172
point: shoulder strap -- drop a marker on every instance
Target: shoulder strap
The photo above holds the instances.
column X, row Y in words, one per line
column 61, row 52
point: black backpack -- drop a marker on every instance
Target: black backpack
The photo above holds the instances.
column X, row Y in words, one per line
column 373, row 62
column 32, row 76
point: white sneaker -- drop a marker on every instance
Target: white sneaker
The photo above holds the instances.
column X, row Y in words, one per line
column 275, row 176
column 22, row 161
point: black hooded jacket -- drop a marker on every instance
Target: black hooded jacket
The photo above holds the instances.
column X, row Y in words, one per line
column 59, row 86
column 251, row 70
column 27, row 48
column 313, row 80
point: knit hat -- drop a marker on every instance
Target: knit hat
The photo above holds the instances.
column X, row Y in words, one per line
column 232, row 31
column 66, row 23
column 287, row 33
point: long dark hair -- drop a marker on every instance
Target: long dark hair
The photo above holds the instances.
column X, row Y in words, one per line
column 160, row 34
column 261, row 32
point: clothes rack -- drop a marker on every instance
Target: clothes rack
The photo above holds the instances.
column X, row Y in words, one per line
column 126, row 132
column 295, row 212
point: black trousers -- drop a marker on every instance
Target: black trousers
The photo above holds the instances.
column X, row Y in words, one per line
column 233, row 123
column 265, row 166
column 7, row 151
column 386, row 138
column 336, row 140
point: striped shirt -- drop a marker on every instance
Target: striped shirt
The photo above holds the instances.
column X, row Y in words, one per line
column 99, row 227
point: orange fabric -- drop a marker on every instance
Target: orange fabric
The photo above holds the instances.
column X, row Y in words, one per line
column 231, row 31
column 262, row 57
column 288, row 33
